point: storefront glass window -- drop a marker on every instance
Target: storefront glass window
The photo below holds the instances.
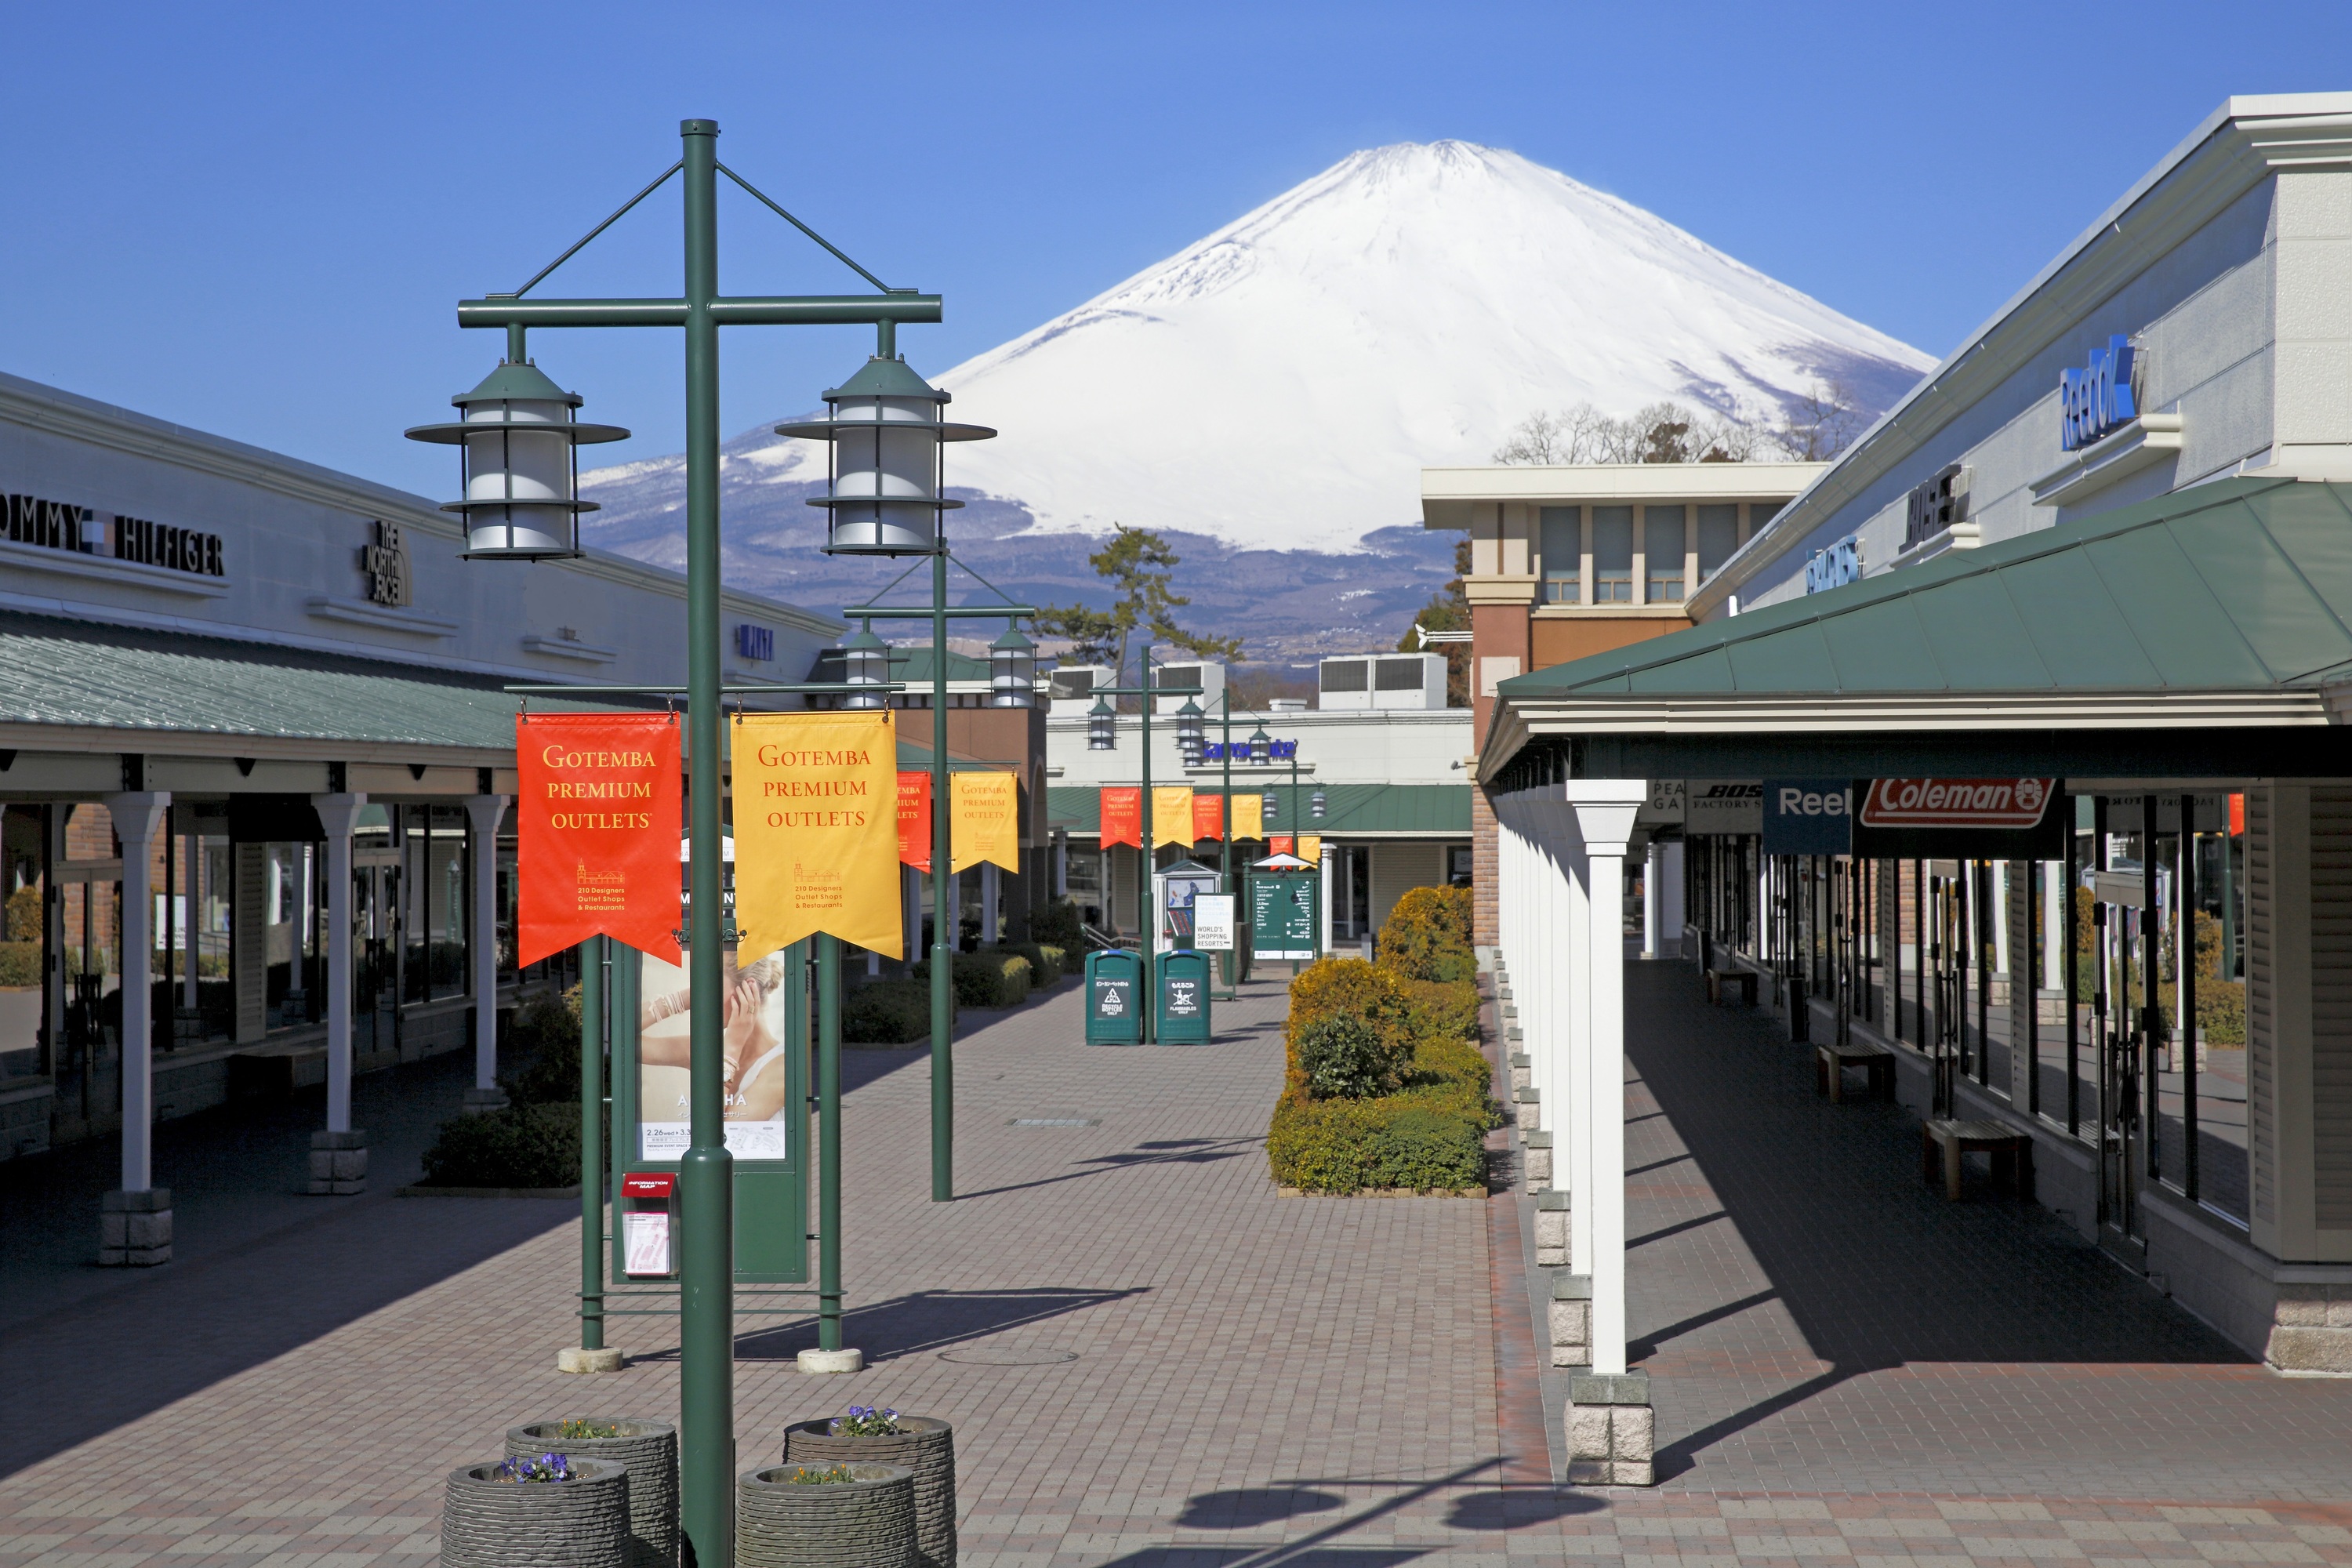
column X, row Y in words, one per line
column 1662, row 553
column 1612, row 554
column 1718, row 538
column 1560, row 541
column 24, row 894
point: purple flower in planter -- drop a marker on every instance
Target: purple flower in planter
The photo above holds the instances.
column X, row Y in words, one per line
column 546, row 1468
column 865, row 1421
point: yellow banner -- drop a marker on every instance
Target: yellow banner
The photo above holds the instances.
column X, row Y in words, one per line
column 1249, row 816
column 1172, row 814
column 1310, row 848
column 986, row 822
column 816, row 830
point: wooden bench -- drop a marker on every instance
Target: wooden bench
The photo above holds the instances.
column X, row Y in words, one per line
column 2012, row 1152
column 1716, row 979
column 1876, row 1062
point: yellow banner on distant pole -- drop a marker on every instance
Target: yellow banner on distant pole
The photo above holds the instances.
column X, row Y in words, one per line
column 1249, row 815
column 985, row 823
column 1172, row 814
column 1310, row 848
column 816, row 830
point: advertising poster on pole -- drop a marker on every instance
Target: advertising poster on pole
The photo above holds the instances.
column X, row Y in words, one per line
column 915, row 821
column 986, row 823
column 816, row 830
column 758, row 1079
column 596, row 831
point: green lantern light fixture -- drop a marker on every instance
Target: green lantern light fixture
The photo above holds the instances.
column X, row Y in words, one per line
column 885, row 475
column 517, row 446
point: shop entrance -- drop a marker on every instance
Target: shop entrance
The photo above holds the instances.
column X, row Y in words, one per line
column 375, row 988
column 2123, row 1041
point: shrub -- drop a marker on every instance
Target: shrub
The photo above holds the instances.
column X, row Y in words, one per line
column 1044, row 963
column 516, row 1146
column 993, row 978
column 1427, row 935
column 1409, row 1139
column 887, row 1013
column 1332, row 986
column 2221, row 1011
column 1442, row 1009
column 20, row 965
column 1344, row 1057
column 20, row 918
column 545, row 1041
column 1056, row 925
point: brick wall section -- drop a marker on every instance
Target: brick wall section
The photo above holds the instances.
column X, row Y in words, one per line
column 1483, row 924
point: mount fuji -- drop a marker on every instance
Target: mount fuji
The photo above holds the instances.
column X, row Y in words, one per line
column 1268, row 396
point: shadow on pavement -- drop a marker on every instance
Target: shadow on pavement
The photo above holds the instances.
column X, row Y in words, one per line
column 925, row 1321
column 1172, row 1151
column 1876, row 1268
column 1514, row 1507
column 1250, row 1507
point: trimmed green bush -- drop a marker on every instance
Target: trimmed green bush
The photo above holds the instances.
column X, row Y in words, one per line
column 1442, row 1009
column 1408, row 1140
column 1345, row 1057
column 20, row 965
column 1427, row 936
column 1045, row 963
column 994, row 978
column 887, row 1013
column 1056, row 925
column 519, row 1146
column 545, row 1041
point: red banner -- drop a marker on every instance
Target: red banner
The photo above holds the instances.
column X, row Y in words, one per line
column 1208, row 816
column 1282, row 844
column 915, row 820
column 597, row 829
column 1122, row 816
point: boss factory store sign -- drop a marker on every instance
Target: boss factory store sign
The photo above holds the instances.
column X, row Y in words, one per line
column 61, row 525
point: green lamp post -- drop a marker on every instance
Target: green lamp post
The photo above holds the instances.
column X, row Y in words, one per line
column 521, row 503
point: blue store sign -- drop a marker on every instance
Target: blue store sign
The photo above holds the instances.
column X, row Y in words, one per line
column 2097, row 402
column 1834, row 566
column 1808, row 816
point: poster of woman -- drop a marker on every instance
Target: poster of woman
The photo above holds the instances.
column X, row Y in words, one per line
column 755, row 1067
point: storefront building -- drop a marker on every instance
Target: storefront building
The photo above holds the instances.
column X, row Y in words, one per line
column 2011, row 750
column 227, row 676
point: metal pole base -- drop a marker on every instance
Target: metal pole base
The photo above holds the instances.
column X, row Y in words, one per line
column 826, row 1362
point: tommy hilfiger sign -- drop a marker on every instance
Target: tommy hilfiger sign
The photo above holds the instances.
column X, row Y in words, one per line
column 61, row 525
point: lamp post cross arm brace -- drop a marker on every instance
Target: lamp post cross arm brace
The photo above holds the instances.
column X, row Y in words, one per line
column 748, row 310
column 923, row 613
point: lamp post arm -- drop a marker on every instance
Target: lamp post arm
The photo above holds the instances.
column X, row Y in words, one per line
column 754, row 310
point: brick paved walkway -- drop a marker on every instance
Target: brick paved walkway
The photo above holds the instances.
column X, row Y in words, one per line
column 1152, row 1360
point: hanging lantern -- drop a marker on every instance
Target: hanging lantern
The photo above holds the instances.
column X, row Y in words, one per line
column 1011, row 670
column 885, row 478
column 1269, row 807
column 1190, row 731
column 1261, row 748
column 866, row 662
column 518, row 457
column 1315, row 806
column 1102, row 727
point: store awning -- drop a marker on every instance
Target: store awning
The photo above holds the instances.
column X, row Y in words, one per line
column 1349, row 811
column 2205, row 633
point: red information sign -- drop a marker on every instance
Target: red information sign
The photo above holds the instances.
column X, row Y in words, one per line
column 597, row 831
column 915, row 820
column 2009, row 803
column 1122, row 816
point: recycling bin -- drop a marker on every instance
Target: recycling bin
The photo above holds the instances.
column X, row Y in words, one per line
column 1114, row 998
column 1182, row 999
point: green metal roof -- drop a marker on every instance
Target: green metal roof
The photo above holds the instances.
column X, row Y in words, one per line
column 1433, row 810
column 2241, row 584
column 85, row 675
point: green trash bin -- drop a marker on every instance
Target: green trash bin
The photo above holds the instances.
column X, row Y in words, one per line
column 1114, row 998
column 1182, row 999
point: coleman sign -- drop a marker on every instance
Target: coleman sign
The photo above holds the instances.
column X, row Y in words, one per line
column 1976, row 819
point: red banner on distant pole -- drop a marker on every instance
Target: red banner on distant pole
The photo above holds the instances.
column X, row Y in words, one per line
column 1208, row 816
column 915, row 820
column 1122, row 816
column 597, row 832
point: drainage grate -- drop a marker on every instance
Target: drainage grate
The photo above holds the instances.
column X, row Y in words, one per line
column 1054, row 1121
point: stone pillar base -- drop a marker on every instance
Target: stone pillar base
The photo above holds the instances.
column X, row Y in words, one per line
column 1527, row 1107
column 1570, row 1315
column 480, row 1101
column 1551, row 1229
column 1536, row 1148
column 134, row 1229
column 1522, row 1070
column 1611, row 1437
column 823, row 1362
column 2312, row 1328
column 338, row 1163
column 575, row 1358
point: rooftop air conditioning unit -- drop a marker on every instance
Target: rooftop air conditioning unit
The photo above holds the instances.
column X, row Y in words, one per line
column 1072, row 688
column 1204, row 683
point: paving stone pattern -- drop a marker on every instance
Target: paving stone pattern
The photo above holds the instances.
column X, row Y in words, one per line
column 1152, row 1360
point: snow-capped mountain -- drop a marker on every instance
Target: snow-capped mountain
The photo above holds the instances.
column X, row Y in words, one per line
column 1280, row 383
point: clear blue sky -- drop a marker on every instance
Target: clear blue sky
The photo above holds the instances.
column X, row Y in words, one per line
column 256, row 219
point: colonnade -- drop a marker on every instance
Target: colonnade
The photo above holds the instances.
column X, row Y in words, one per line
column 1560, row 857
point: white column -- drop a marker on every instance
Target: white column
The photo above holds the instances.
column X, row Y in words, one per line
column 988, row 901
column 1653, row 909
column 1604, row 810
column 339, row 815
column 137, row 816
column 1323, row 871
column 2054, row 894
column 485, row 812
column 1575, row 964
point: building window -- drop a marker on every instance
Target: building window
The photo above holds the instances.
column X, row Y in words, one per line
column 1560, row 537
column 1612, row 554
column 1457, row 865
column 1662, row 553
column 1718, row 537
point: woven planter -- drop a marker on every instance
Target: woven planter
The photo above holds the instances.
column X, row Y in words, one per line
column 866, row 1523
column 927, row 1448
column 580, row 1523
column 649, row 1450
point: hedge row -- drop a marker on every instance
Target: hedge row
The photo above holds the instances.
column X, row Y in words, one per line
column 898, row 1012
column 518, row 1146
